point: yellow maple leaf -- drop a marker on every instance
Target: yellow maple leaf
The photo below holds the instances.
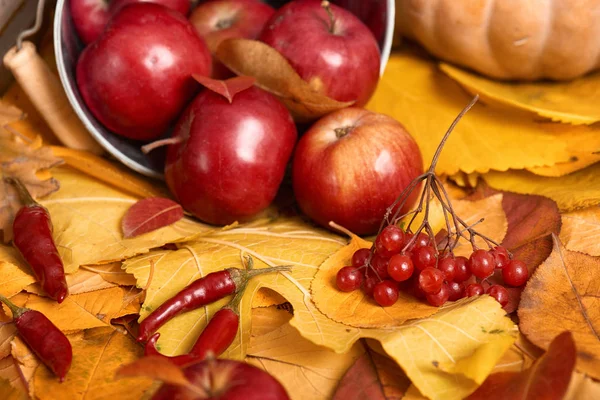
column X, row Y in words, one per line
column 454, row 334
column 580, row 230
column 578, row 190
column 426, row 102
column 267, row 319
column 307, row 371
column 97, row 354
column 561, row 169
column 574, row 102
column 81, row 281
column 87, row 222
column 112, row 273
column 80, row 311
column 14, row 278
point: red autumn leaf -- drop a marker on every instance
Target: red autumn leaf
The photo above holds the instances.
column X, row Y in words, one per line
column 531, row 221
column 227, row 88
column 150, row 214
column 548, row 378
column 374, row 377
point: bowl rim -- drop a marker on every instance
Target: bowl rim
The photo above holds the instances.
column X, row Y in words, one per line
column 115, row 151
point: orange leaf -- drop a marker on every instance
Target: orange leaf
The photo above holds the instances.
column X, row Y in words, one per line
column 227, row 88
column 564, row 294
column 355, row 308
column 150, row 214
column 274, row 74
column 547, row 379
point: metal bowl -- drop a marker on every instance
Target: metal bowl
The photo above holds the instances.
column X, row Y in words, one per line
column 378, row 15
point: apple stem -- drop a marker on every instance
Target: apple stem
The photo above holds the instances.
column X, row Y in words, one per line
column 326, row 5
column 341, row 132
column 162, row 142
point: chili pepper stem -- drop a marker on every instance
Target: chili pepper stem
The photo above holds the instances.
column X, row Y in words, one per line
column 16, row 310
column 234, row 304
column 24, row 194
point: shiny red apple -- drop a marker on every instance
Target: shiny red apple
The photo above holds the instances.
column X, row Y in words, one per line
column 351, row 165
column 329, row 47
column 91, row 16
column 231, row 156
column 137, row 77
column 224, row 380
column 225, row 19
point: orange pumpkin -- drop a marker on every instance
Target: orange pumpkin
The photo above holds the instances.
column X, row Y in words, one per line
column 508, row 39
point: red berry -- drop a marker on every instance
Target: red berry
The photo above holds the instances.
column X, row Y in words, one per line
column 474, row 289
column 431, row 280
column 390, row 241
column 515, row 273
column 500, row 255
column 461, row 270
column 369, row 285
column 422, row 240
column 457, row 291
column 360, row 257
column 386, row 293
column 415, row 289
column 423, row 257
column 400, row 267
column 348, row 279
column 439, row 298
column 448, row 266
column 380, row 265
column 481, row 264
column 499, row 293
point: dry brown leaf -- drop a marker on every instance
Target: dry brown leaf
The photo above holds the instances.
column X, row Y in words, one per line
column 306, row 370
column 112, row 273
column 97, row 354
column 21, row 161
column 581, row 230
column 80, row 311
column 9, row 113
column 274, row 74
column 564, row 294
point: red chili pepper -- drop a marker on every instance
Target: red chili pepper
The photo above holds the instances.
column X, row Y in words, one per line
column 43, row 337
column 201, row 292
column 32, row 231
column 215, row 338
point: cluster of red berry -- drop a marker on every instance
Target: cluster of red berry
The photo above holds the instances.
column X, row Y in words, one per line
column 401, row 261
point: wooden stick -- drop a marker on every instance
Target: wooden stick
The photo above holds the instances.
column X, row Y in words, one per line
column 47, row 95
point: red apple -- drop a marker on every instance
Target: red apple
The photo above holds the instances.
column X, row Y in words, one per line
column 137, row 77
column 225, row 380
column 232, row 156
column 225, row 19
column 91, row 16
column 333, row 51
column 351, row 165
